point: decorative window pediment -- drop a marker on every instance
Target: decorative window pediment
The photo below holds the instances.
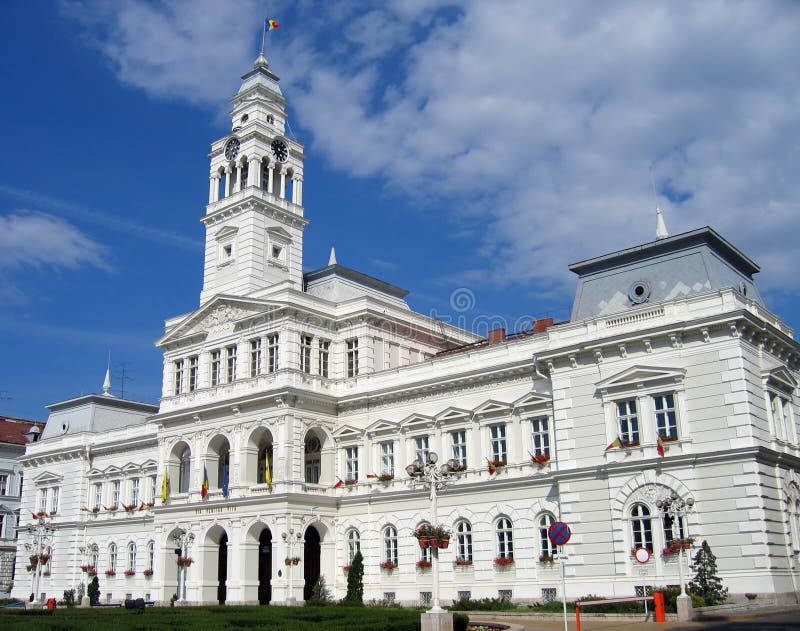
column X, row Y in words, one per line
column 47, row 478
column 382, row 427
column 452, row 415
column 225, row 233
column 347, row 433
column 781, row 379
column 532, row 400
column 640, row 377
column 492, row 409
column 417, row 422
column 278, row 233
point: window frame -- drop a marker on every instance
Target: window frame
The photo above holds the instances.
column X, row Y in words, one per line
column 498, row 444
column 459, row 448
column 351, row 463
column 540, row 435
column 641, row 526
column 389, row 541
column 353, row 539
column 306, row 345
column 464, row 549
column 351, row 363
column 504, row 537
column 255, row 359
column 543, row 522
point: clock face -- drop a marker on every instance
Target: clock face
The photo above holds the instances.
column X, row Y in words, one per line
column 279, row 150
column 232, row 148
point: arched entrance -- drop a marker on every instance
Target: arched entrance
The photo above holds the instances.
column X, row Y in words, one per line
column 265, row 567
column 222, row 569
column 311, row 554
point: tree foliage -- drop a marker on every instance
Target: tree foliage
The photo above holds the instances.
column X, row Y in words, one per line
column 320, row 595
column 706, row 583
column 355, row 581
column 94, row 591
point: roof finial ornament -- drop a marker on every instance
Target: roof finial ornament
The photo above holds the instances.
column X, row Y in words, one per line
column 107, row 380
column 332, row 259
column 661, row 227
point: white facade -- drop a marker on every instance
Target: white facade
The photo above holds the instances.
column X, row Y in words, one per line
column 332, row 379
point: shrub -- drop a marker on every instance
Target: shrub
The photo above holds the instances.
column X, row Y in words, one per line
column 320, row 595
column 483, row 604
column 94, row 591
column 69, row 597
column 355, row 582
column 460, row 622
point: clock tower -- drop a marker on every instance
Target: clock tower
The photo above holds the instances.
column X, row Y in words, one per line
column 254, row 219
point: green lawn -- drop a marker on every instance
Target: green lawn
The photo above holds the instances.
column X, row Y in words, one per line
column 332, row 618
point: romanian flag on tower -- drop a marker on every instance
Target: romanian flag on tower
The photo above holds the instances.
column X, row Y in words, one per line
column 204, row 487
column 270, row 24
column 164, row 487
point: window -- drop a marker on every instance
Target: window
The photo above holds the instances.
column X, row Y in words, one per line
column 54, row 498
column 131, row 557
column 272, row 353
column 264, row 458
column 324, row 351
column 545, row 545
column 426, row 554
column 780, row 409
column 134, row 492
column 628, row 422
column 115, row 493
column 458, row 439
column 94, row 555
column 112, row 557
column 194, row 370
column 641, row 527
column 352, row 357
column 351, row 464
column 305, row 353
column 666, row 421
column 673, row 528
column 184, row 471
column 151, row 496
column 387, row 458
column 505, row 538
column 498, row 443
column 421, row 449
column 255, row 357
column 41, row 505
column 463, row 541
column 3, row 484
column 390, row 544
column 353, row 544
column 151, row 555
column 2, row 520
column 178, row 376
column 98, row 496
column 230, row 353
column 20, row 483
column 216, row 364
column 541, row 436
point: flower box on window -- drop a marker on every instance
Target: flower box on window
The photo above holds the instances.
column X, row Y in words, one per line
column 540, row 459
column 91, row 571
column 129, row 508
column 668, row 439
column 676, row 545
column 388, row 565
column 130, row 572
column 351, row 482
column 111, row 573
column 295, row 560
column 504, row 561
column 386, row 477
column 545, row 558
column 111, row 509
column 346, row 568
column 630, row 443
column 44, row 558
column 148, row 572
column 46, row 573
column 84, row 568
column 463, row 562
column 423, row 564
column 34, row 559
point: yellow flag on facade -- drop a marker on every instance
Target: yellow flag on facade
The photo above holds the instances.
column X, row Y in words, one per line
column 267, row 472
column 164, row 487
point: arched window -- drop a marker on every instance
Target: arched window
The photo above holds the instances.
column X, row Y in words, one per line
column 390, row 544
column 545, row 545
column 264, row 461
column 131, row 557
column 641, row 527
column 505, row 538
column 151, row 555
column 224, row 468
column 94, row 555
column 463, row 541
column 353, row 544
column 112, row 557
column 184, row 471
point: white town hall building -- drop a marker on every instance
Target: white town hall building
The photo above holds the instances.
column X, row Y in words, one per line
column 330, row 378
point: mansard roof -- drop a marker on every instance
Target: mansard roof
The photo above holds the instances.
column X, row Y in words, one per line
column 359, row 278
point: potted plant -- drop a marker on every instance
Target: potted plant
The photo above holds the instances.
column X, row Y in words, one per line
column 494, row 465
column 112, row 509
column 130, row 572
column 680, row 544
column 148, row 572
column 463, row 562
column 346, row 568
column 424, row 534
column 91, row 571
column 287, row 561
column 351, row 482
column 441, row 537
column 540, row 459
column 386, row 477
column 423, row 564
column 95, row 509
column 44, row 557
column 84, row 568
column 388, row 565
column 295, row 560
column 111, row 573
column 184, row 561
column 503, row 561
column 46, row 573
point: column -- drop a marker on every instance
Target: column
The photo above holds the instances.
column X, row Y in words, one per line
column 238, row 179
column 227, row 181
column 254, row 173
column 298, row 191
column 283, row 183
column 212, row 186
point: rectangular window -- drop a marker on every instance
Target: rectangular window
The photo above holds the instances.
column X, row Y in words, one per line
column 216, row 366
column 305, row 353
column 666, row 420
column 153, row 489
column 230, row 354
column 498, row 443
column 255, row 357
column 421, row 449
column 178, row 376
column 458, row 439
column 628, row 422
column 194, row 370
column 324, row 351
column 98, row 496
column 42, row 504
column 541, row 436
column 3, row 484
column 313, row 468
column 351, row 464
column 387, row 458
column 272, row 353
column 135, row 492
column 115, row 493
column 352, row 357
column 55, row 496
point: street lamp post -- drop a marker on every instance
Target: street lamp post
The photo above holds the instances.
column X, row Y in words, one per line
column 41, row 534
column 435, row 479
column 679, row 509
column 183, row 540
column 289, row 538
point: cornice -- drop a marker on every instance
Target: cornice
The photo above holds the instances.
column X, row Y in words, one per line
column 250, row 202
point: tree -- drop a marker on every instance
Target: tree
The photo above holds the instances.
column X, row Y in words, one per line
column 94, row 591
column 706, row 583
column 320, row 594
column 355, row 581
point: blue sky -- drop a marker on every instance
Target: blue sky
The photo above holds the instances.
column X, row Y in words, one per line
column 459, row 149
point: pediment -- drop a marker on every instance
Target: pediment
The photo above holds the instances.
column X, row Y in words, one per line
column 640, row 376
column 225, row 233
column 347, row 433
column 417, row 421
column 148, row 464
column 532, row 399
column 46, row 477
column 277, row 231
column 131, row 466
column 382, row 427
column 492, row 408
column 780, row 377
column 452, row 414
column 218, row 315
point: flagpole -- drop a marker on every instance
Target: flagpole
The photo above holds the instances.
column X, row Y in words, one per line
column 263, row 35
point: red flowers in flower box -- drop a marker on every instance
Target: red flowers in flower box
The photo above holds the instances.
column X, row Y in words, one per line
column 545, row 558
column 148, row 572
column 184, row 561
column 423, row 564
column 130, row 572
column 504, row 561
column 346, row 568
column 540, row 459
column 463, row 562
column 388, row 565
column 111, row 573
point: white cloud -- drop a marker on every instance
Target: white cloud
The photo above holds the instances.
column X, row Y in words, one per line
column 39, row 240
column 537, row 121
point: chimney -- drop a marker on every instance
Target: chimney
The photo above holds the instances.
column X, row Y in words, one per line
column 497, row 335
column 540, row 326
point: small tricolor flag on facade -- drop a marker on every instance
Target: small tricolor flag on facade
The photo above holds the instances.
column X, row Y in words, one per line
column 339, row 483
column 616, row 444
column 204, row 487
column 270, row 24
column 491, row 467
column 660, row 447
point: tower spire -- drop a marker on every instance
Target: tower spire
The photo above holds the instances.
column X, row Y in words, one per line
column 661, row 227
column 332, row 258
column 107, row 380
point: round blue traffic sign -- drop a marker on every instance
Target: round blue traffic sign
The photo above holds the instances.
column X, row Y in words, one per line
column 558, row 533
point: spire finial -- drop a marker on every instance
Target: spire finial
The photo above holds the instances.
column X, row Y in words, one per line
column 332, row 259
column 107, row 380
column 661, row 227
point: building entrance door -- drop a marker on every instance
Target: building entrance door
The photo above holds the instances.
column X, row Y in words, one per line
column 265, row 567
column 311, row 564
column 222, row 573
